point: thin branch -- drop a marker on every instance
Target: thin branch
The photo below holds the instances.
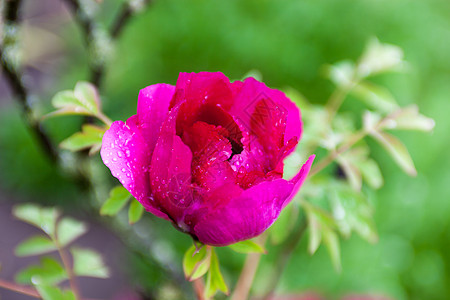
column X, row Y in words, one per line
column 245, row 281
column 18, row 288
column 18, row 88
column 334, row 154
column 123, row 17
column 88, row 27
column 69, row 270
column 247, row 276
column 199, row 288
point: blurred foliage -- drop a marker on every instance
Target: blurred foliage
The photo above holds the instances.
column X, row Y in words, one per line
column 59, row 233
column 289, row 42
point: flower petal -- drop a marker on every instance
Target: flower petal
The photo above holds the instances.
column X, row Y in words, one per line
column 248, row 98
column 251, row 213
column 152, row 110
column 124, row 152
column 244, row 216
column 170, row 171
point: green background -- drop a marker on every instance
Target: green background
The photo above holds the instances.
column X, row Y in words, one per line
column 289, row 42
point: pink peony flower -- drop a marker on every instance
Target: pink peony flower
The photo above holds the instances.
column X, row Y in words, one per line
column 208, row 154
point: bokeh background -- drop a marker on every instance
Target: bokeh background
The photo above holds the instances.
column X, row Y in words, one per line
column 289, row 42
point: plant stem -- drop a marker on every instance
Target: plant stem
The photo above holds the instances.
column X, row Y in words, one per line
column 69, row 270
column 123, row 18
column 332, row 156
column 22, row 289
column 245, row 281
column 199, row 288
column 102, row 117
column 13, row 76
column 335, row 101
column 88, row 26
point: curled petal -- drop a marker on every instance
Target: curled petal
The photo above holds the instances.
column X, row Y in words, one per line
column 250, row 213
column 170, row 171
column 124, row 153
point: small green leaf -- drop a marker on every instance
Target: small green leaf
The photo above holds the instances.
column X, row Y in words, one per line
column 43, row 218
column 247, row 246
column 69, row 229
column 49, row 272
column 371, row 121
column 282, row 227
column 135, row 211
column 49, row 292
column 87, row 95
column 376, row 97
column 196, row 262
column 331, row 240
column 351, row 171
column 371, row 173
column 256, row 74
column 67, row 100
column 214, row 280
column 118, row 197
column 379, row 57
column 409, row 118
column 318, row 221
column 83, row 100
column 342, row 73
column 34, row 246
column 352, row 211
column 90, row 136
column 397, row 150
column 88, row 263
column 315, row 235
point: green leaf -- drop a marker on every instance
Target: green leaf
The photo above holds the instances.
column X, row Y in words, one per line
column 322, row 227
column 371, row 121
column 397, row 151
column 376, row 97
column 196, row 262
column 371, row 173
column 315, row 235
column 49, row 292
column 90, row 136
column 331, row 240
column 87, row 95
column 83, row 100
column 69, row 229
column 118, row 197
column 247, row 246
column 43, row 218
column 282, row 227
column 34, row 246
column 342, row 73
column 351, row 171
column 352, row 211
column 378, row 58
column 214, row 280
column 409, row 118
column 88, row 263
column 49, row 272
column 68, row 101
column 135, row 211
column 256, row 74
